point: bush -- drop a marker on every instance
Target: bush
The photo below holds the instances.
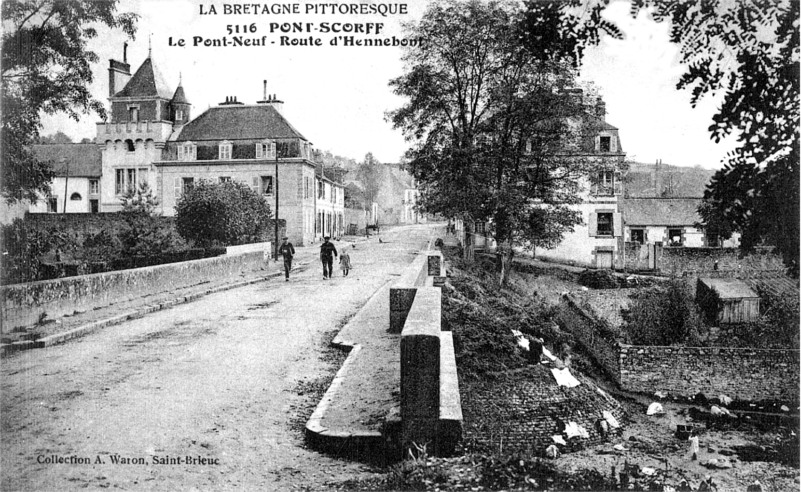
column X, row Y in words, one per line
column 664, row 316
column 222, row 213
column 598, row 279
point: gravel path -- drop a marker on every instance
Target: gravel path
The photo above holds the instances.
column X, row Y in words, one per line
column 208, row 395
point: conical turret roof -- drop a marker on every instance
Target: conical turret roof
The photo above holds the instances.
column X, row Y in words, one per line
column 146, row 82
column 179, row 96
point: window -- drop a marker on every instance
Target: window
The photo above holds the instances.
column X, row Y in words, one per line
column 129, row 144
column 604, row 224
column 317, row 223
column 179, row 115
column 76, row 197
column 267, row 185
column 605, row 144
column 94, row 187
column 320, row 189
column 605, row 186
column 638, row 236
column 225, row 150
column 187, row 151
column 225, row 179
column 265, row 150
column 133, row 114
column 674, row 237
column 52, row 204
column 306, row 191
column 119, row 181
column 187, row 184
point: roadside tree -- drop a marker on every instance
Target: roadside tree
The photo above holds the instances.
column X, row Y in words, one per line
column 494, row 129
column 46, row 69
column 222, row 214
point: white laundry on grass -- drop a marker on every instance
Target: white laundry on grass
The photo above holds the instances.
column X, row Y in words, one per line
column 564, row 378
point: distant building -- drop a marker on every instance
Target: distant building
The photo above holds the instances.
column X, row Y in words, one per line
column 76, row 185
column 152, row 138
column 598, row 240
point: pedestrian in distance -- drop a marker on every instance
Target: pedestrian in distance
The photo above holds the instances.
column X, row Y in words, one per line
column 327, row 253
column 287, row 251
column 344, row 262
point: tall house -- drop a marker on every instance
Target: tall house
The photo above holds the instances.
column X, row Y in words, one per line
column 598, row 240
column 143, row 115
column 241, row 142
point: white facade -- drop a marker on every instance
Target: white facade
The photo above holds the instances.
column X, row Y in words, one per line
column 82, row 194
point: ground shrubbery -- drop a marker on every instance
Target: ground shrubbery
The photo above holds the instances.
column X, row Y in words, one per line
column 664, row 315
column 482, row 315
column 222, row 213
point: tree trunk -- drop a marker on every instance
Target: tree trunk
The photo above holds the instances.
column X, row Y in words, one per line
column 505, row 256
column 469, row 251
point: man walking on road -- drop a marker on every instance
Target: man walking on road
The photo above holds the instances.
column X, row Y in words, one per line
column 327, row 253
column 287, row 251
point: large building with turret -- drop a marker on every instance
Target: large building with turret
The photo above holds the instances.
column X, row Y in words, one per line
column 151, row 137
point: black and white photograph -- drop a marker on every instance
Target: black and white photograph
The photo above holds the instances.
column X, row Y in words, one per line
column 387, row 245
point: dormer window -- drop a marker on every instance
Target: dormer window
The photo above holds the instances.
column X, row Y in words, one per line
column 605, row 144
column 225, row 150
column 265, row 150
column 187, row 151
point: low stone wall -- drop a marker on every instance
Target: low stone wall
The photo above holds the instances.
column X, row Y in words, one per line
column 606, row 351
column 429, row 387
column 24, row 304
column 680, row 260
column 741, row 374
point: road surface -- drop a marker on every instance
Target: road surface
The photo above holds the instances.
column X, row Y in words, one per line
column 207, row 395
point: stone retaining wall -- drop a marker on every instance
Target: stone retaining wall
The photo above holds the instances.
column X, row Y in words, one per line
column 588, row 332
column 741, row 374
column 24, row 304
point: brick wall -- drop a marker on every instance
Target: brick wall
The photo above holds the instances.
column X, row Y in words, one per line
column 741, row 374
column 521, row 410
column 22, row 304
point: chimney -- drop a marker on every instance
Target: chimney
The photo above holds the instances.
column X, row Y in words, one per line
column 600, row 109
column 119, row 72
column 271, row 100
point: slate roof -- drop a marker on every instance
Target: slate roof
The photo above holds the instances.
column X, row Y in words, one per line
column 79, row 159
column 179, row 96
column 729, row 288
column 660, row 211
column 683, row 181
column 146, row 82
column 239, row 122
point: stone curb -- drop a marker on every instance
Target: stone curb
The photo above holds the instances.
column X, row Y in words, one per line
column 339, row 441
column 343, row 441
column 58, row 338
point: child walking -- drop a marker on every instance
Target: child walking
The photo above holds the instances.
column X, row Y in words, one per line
column 344, row 262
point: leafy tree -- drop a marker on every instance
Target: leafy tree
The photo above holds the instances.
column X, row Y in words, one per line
column 664, row 316
column 749, row 52
column 46, row 68
column 222, row 213
column 57, row 138
column 714, row 223
column 371, row 174
column 22, row 251
column 145, row 233
column 496, row 133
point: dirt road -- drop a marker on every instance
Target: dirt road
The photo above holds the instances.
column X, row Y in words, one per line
column 204, row 396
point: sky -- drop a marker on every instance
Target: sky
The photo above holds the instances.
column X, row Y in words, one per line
column 337, row 97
